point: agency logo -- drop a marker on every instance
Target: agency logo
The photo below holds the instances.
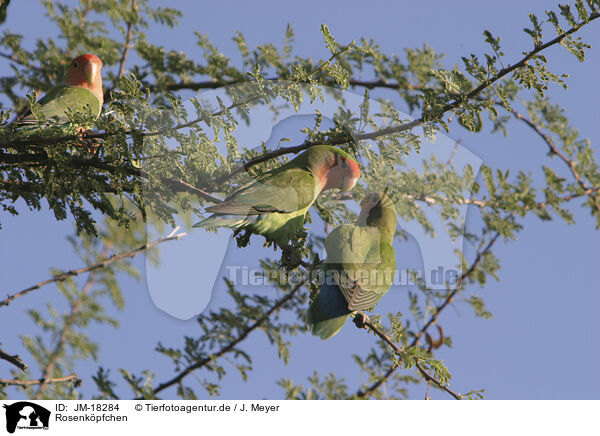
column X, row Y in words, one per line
column 26, row 415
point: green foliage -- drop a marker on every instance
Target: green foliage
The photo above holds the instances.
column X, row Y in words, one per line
column 331, row 388
column 63, row 339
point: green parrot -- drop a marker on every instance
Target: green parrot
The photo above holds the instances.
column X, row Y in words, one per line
column 82, row 86
column 275, row 205
column 359, row 269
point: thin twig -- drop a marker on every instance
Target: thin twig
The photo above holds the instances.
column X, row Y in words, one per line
column 365, row 136
column 185, row 186
column 231, row 345
column 102, row 264
column 26, row 383
column 36, row 160
column 16, row 60
column 459, row 286
column 436, row 382
column 296, row 149
column 555, row 150
column 66, row 328
column 361, row 320
column 216, row 84
column 180, row 185
column 408, row 125
column 127, row 44
column 14, row 359
column 434, row 317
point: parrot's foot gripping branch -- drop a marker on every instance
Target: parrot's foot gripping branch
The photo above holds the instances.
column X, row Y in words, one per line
column 361, row 320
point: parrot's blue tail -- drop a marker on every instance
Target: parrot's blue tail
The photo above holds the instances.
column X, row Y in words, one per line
column 328, row 312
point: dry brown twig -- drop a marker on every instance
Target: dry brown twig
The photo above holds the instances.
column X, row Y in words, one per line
column 27, row 383
column 102, row 264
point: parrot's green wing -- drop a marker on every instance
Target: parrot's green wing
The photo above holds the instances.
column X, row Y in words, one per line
column 284, row 190
column 362, row 264
column 56, row 102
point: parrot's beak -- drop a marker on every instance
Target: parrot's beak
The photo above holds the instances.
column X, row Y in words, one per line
column 347, row 183
column 89, row 72
column 364, row 213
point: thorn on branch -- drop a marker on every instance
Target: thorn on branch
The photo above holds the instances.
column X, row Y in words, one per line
column 435, row 344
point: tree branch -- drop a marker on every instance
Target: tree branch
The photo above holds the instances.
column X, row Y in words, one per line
column 14, row 359
column 62, row 338
column 361, row 320
column 231, row 345
column 434, row 317
column 27, row 383
column 89, row 268
column 365, row 136
column 591, row 190
column 16, row 60
column 405, row 126
column 436, row 382
column 184, row 186
column 33, row 160
column 482, row 86
column 179, row 185
column 127, row 44
column 216, row 84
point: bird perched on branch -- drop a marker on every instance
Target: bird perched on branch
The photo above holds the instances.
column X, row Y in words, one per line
column 359, row 269
column 82, row 87
column 275, row 205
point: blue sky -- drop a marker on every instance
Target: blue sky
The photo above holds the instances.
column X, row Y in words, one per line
column 541, row 342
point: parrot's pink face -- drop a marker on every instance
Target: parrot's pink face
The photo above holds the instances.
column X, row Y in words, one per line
column 85, row 72
column 342, row 175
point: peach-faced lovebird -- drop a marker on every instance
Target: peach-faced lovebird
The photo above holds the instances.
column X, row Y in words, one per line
column 275, row 205
column 359, row 268
column 82, row 87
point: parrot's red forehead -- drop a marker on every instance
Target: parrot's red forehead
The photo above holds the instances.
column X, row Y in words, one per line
column 88, row 58
column 354, row 169
column 85, row 71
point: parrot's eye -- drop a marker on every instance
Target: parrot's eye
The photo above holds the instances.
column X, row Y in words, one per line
column 75, row 64
column 344, row 164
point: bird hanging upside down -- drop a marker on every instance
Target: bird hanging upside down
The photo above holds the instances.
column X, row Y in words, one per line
column 359, row 269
